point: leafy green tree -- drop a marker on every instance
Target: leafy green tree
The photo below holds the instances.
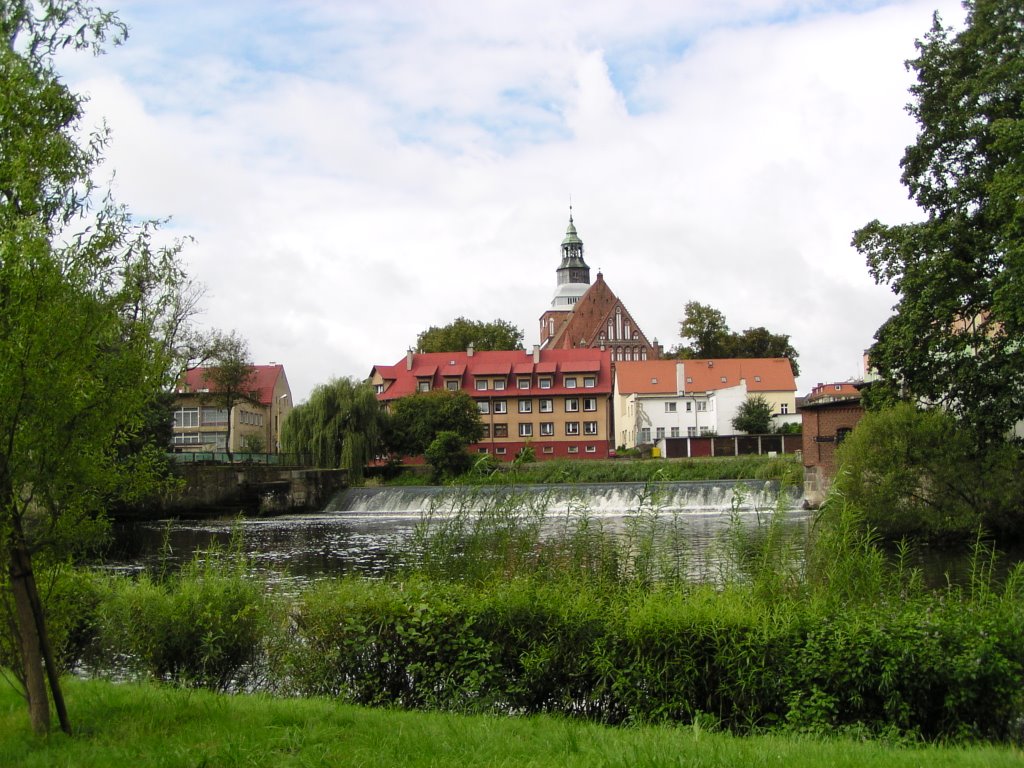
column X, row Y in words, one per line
column 230, row 376
column 710, row 337
column 912, row 472
column 754, row 416
column 341, row 425
column 87, row 304
column 460, row 333
column 447, row 455
column 957, row 336
column 417, row 419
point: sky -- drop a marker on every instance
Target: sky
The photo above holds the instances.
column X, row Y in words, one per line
column 350, row 173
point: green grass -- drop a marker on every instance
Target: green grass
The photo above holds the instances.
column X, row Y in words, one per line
column 149, row 725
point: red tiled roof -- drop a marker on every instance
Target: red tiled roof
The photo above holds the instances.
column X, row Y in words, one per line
column 500, row 363
column 263, row 381
column 646, row 376
column 659, row 376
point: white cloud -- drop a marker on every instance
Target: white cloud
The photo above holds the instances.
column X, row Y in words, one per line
column 355, row 172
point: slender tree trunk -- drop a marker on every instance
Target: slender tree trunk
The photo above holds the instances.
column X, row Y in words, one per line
column 36, row 653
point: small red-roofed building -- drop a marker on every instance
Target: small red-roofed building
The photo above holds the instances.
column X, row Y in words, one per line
column 557, row 401
column 663, row 399
column 200, row 422
column 830, row 413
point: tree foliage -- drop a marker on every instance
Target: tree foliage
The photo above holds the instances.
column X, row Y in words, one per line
column 416, row 420
column 912, row 472
column 709, row 335
column 89, row 312
column 230, row 375
column 447, row 455
column 460, row 333
column 957, row 336
column 754, row 416
column 341, row 425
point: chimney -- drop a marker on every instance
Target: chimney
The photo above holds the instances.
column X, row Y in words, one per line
column 408, row 359
column 536, row 353
column 469, row 350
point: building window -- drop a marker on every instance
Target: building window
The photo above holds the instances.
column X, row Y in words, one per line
column 501, row 406
column 724, row 379
column 670, row 407
column 570, row 382
column 525, row 405
column 525, row 429
column 689, row 406
column 589, row 403
column 839, row 387
column 842, row 433
column 486, row 433
column 523, row 382
column 572, row 427
column 187, row 438
column 784, row 408
column 214, row 417
column 572, row 404
column 482, row 450
column 704, row 430
column 589, row 382
column 378, row 388
column 573, row 449
column 548, row 449
column 589, row 427
column 483, row 406
column 675, row 432
column 691, row 431
column 702, row 405
column 645, row 435
column 423, row 386
column 481, row 384
column 590, row 448
column 660, row 433
column 544, row 382
column 500, row 451
column 689, row 379
column 499, row 384
column 546, row 405
column 757, row 378
column 452, row 385
column 501, row 430
column 547, row 428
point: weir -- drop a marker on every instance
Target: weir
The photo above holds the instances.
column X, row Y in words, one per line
column 612, row 499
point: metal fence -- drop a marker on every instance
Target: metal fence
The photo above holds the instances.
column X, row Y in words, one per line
column 238, row 457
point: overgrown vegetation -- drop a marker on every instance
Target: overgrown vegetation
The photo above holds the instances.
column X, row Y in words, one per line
column 505, row 607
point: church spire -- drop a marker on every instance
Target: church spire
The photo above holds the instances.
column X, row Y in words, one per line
column 573, row 273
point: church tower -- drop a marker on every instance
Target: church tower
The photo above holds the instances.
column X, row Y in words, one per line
column 572, row 281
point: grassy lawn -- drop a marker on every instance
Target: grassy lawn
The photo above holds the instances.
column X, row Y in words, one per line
column 147, row 725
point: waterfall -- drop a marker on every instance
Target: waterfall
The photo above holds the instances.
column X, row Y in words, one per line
column 599, row 498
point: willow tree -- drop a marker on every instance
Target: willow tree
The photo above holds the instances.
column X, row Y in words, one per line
column 341, row 425
column 86, row 301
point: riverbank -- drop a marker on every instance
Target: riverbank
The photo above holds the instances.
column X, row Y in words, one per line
column 150, row 725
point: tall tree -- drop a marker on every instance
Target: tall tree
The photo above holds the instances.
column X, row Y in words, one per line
column 416, row 420
column 754, row 416
column 460, row 333
column 341, row 425
column 85, row 305
column 957, row 336
column 709, row 336
column 231, row 376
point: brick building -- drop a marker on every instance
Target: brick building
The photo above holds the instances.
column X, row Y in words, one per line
column 829, row 413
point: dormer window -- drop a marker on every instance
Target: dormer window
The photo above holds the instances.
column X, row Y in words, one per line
column 481, row 384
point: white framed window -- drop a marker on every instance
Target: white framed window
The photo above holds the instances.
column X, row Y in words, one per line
column 702, row 405
column 213, row 417
column 501, row 406
column 645, row 435
column 483, row 406
column 659, row 433
column 186, row 438
column 689, row 406
column 590, row 448
column 523, row 382
column 499, row 384
column 422, row 386
column 452, row 385
column 757, row 378
column 500, row 451
column 670, row 407
column 546, row 405
column 691, row 431
column 378, row 389
column 589, row 403
column 689, row 379
column 704, row 430
column 544, row 382
column 481, row 385
column 525, row 405
column 547, row 428
column 589, row 382
column 482, row 450
column 525, row 429
column 572, row 404
column 572, row 427
column 674, row 432
column 573, row 449
column 784, row 408
column 569, row 382
column 548, row 449
column 589, row 427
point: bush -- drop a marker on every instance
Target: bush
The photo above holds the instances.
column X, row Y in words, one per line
column 448, row 456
